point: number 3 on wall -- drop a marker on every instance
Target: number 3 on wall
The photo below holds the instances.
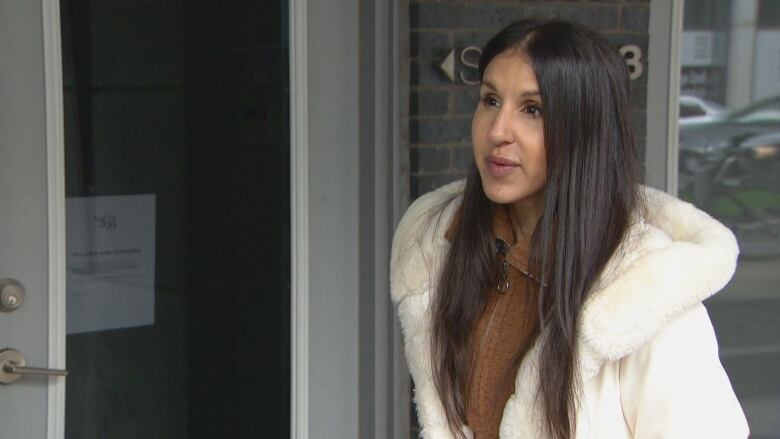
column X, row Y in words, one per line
column 633, row 55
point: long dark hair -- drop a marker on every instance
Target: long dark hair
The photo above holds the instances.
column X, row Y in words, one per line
column 590, row 195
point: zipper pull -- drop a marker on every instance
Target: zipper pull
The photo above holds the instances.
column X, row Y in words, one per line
column 503, row 283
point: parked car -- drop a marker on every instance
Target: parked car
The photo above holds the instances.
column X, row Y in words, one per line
column 731, row 168
column 708, row 141
column 695, row 110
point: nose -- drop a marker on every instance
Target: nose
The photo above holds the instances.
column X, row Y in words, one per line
column 500, row 132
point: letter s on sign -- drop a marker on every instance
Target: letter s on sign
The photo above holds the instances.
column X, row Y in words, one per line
column 633, row 55
column 464, row 58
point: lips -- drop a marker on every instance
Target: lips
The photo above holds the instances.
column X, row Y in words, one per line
column 500, row 166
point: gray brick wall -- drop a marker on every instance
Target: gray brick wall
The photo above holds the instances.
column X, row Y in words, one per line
column 440, row 110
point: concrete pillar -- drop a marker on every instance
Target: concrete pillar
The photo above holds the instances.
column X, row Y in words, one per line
column 739, row 80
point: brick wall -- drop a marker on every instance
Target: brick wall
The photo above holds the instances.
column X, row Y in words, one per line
column 440, row 109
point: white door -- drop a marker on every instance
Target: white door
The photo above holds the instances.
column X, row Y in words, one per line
column 27, row 260
column 152, row 139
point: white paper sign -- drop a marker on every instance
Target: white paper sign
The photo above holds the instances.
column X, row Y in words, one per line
column 110, row 262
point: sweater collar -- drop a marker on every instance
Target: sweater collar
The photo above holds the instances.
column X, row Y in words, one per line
column 502, row 231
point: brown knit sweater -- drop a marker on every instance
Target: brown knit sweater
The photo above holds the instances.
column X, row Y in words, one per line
column 505, row 330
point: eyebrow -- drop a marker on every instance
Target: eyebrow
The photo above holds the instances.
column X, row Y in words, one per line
column 525, row 94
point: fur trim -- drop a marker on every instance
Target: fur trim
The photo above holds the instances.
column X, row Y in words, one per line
column 671, row 260
column 418, row 241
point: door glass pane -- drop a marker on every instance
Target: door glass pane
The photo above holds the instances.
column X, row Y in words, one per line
column 730, row 166
column 177, row 174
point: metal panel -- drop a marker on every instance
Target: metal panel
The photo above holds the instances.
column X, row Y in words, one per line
column 663, row 91
column 333, row 187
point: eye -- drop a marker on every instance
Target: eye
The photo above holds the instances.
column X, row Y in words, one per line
column 490, row 101
column 533, row 109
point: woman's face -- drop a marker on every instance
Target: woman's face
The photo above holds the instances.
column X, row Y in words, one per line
column 507, row 132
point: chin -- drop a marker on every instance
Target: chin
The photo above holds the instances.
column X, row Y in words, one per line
column 503, row 198
column 507, row 193
column 501, row 193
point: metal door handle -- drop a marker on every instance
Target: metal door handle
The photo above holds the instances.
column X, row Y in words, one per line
column 13, row 367
column 23, row 370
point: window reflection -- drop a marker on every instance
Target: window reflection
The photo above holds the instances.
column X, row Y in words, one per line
column 729, row 165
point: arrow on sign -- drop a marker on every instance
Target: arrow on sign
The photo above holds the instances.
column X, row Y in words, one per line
column 448, row 66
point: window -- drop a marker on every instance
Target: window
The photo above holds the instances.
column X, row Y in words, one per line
column 729, row 165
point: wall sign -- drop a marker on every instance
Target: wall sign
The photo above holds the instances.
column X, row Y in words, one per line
column 469, row 63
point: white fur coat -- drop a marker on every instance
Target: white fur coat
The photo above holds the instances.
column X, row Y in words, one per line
column 647, row 354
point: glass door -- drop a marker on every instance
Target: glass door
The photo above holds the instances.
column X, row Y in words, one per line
column 177, row 205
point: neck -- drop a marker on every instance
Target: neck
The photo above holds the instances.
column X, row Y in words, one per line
column 525, row 214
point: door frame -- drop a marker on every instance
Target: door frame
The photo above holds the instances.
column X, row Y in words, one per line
column 347, row 358
column 663, row 93
column 299, row 218
column 55, row 176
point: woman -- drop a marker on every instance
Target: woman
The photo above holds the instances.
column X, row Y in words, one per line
column 550, row 295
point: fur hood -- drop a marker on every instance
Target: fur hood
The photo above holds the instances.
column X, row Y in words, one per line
column 672, row 258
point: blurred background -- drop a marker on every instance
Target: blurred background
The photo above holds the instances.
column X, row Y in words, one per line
column 729, row 165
